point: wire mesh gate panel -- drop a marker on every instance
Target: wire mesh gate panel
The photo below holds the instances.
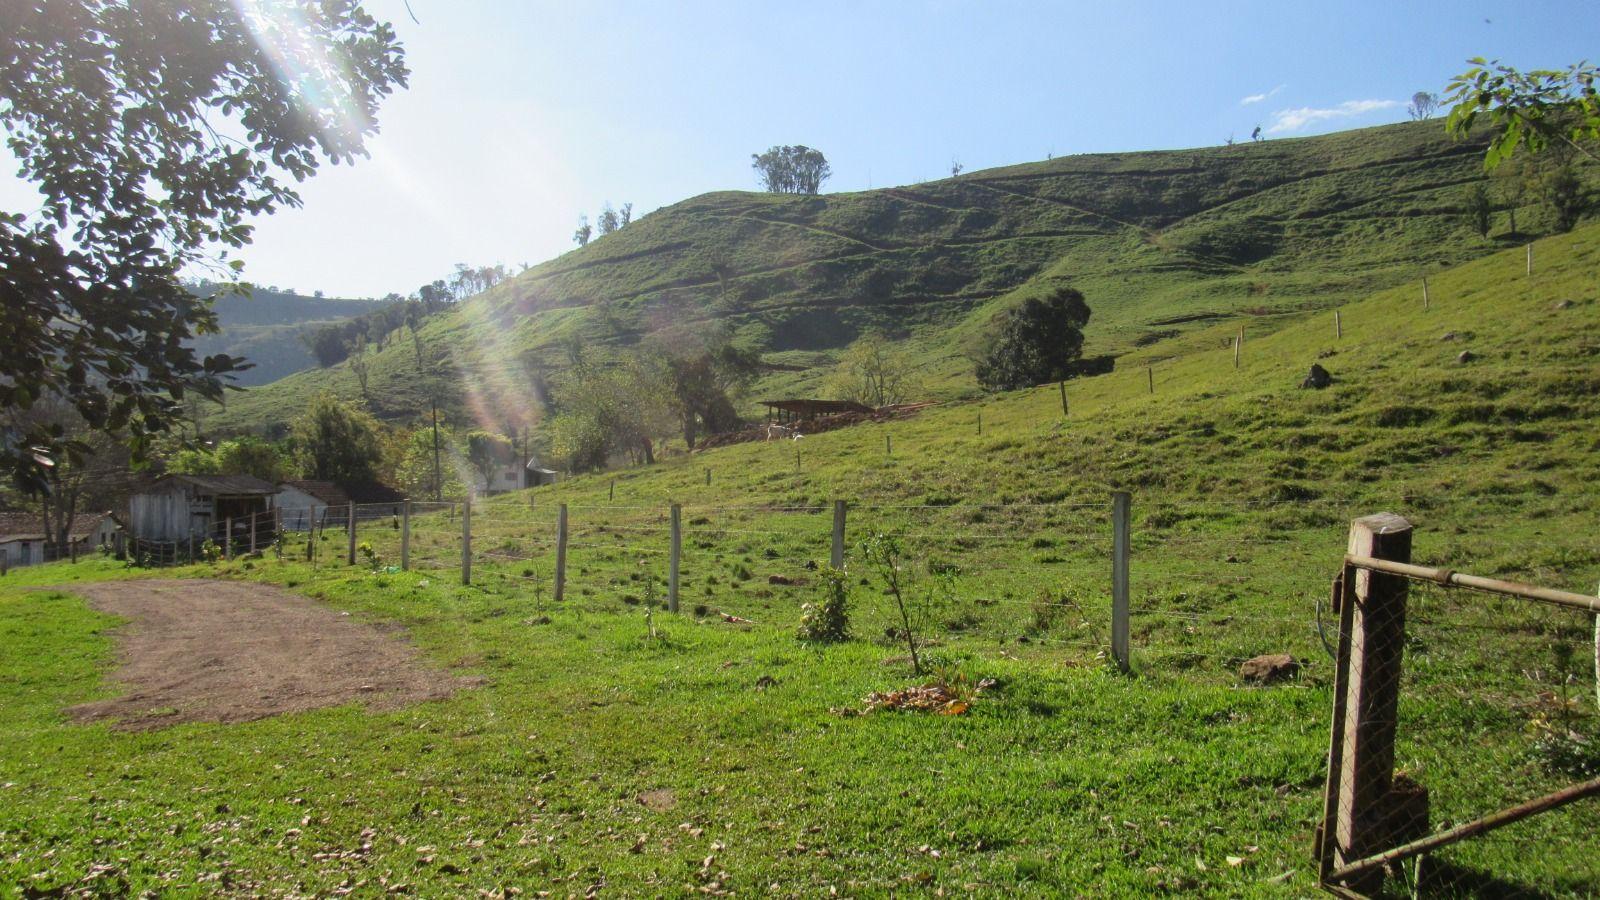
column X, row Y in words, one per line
column 1465, row 750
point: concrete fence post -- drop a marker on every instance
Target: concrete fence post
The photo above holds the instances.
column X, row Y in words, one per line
column 675, row 558
column 227, row 538
column 1338, row 326
column 836, row 557
column 253, row 533
column 1121, row 533
column 405, row 536
column 1424, row 293
column 1365, row 810
column 466, row 539
column 561, row 552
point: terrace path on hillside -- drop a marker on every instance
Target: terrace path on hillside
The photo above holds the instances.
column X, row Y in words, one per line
column 226, row 651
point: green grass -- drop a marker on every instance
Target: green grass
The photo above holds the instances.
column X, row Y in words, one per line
column 1157, row 241
column 1065, row 778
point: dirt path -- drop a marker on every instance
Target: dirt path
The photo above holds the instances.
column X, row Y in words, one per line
column 226, row 651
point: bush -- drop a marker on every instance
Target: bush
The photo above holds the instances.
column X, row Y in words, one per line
column 828, row 620
column 1039, row 342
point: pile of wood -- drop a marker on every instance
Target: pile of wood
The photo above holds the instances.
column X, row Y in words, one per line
column 814, row 426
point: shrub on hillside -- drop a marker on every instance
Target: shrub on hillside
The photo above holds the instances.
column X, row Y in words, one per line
column 1039, row 342
column 828, row 620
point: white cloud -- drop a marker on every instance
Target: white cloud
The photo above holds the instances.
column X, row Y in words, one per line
column 1257, row 98
column 1296, row 119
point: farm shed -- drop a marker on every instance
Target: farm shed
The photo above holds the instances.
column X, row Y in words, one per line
column 307, row 503
column 783, row 411
column 536, row 475
column 23, row 541
column 174, row 507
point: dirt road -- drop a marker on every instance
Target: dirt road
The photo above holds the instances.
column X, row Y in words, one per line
column 225, row 651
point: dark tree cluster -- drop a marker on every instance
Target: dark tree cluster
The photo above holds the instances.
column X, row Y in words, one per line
column 333, row 343
column 117, row 113
column 791, row 170
column 1039, row 341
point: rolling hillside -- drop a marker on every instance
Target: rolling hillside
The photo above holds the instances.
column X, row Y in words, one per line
column 264, row 326
column 1160, row 242
column 649, row 753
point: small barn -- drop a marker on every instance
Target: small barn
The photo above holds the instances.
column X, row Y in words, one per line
column 23, row 541
column 305, row 504
column 535, row 475
column 784, row 412
column 174, row 507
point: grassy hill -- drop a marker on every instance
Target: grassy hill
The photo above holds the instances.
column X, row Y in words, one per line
column 1160, row 242
column 1064, row 777
column 264, row 326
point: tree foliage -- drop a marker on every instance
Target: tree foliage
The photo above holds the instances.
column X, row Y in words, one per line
column 1038, row 342
column 153, row 131
column 335, row 441
column 791, row 170
column 247, row 455
column 488, row 452
column 1479, row 209
column 873, row 371
column 622, row 405
column 707, row 372
column 1533, row 109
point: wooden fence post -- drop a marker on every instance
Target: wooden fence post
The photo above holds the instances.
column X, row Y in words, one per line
column 888, row 445
column 677, row 551
column 708, row 475
column 1121, row 532
column 1063, row 386
column 1361, row 755
column 1338, row 326
column 1424, row 293
column 1150, row 377
column 253, row 533
column 980, row 424
column 1238, row 339
column 227, row 538
column 466, row 539
column 1530, row 260
column 836, row 558
column 405, row 536
column 797, row 458
column 561, row 552
column 612, row 494
column 350, row 534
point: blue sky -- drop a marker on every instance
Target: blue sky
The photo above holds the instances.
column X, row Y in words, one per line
column 524, row 115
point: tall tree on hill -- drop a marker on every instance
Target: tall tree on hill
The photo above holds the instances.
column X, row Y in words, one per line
column 608, row 220
column 791, row 170
column 1479, row 209
column 1422, row 106
column 706, row 370
column 1039, row 341
column 625, row 215
column 337, row 442
column 581, row 236
column 113, row 112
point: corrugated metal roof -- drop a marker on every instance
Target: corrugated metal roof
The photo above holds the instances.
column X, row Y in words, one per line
column 221, row 484
column 22, row 526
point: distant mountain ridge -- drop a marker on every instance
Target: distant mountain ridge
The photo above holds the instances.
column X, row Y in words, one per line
column 264, row 326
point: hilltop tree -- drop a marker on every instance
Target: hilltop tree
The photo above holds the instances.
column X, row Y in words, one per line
column 582, row 235
column 337, row 442
column 625, row 215
column 113, row 112
column 791, row 170
column 1038, row 342
column 1422, row 106
column 608, row 221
